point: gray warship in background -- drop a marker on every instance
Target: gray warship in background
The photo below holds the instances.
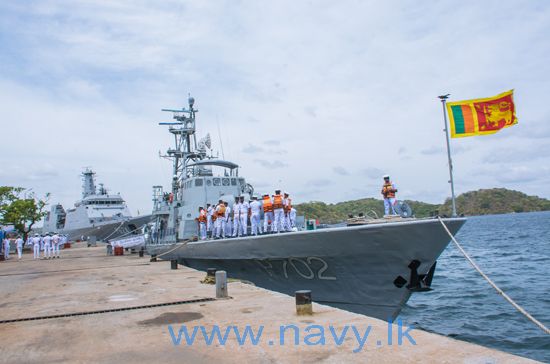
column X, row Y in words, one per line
column 98, row 214
column 370, row 267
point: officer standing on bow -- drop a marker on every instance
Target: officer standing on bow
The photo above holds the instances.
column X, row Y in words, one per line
column 388, row 191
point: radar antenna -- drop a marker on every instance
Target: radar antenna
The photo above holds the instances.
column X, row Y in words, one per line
column 185, row 150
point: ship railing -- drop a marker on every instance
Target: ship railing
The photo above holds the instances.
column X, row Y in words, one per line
column 164, row 236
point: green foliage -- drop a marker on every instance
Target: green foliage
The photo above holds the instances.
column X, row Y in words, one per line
column 495, row 201
column 481, row 202
column 335, row 213
column 24, row 212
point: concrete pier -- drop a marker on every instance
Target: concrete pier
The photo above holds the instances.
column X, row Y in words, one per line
column 86, row 280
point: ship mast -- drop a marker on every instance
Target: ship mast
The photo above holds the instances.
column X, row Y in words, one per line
column 88, row 183
column 185, row 143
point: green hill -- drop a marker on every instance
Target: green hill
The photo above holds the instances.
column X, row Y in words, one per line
column 481, row 202
column 495, row 201
column 334, row 213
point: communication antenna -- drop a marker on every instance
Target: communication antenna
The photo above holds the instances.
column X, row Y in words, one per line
column 220, row 136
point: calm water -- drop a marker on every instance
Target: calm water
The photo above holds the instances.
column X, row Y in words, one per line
column 514, row 251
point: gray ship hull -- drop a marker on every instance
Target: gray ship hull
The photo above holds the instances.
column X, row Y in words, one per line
column 354, row 268
column 109, row 230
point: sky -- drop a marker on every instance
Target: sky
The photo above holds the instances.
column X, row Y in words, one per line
column 318, row 98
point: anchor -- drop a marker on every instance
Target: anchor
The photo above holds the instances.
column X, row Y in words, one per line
column 418, row 282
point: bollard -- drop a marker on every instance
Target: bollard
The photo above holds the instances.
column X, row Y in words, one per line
column 221, row 284
column 141, row 253
column 153, row 258
column 174, row 264
column 303, row 302
column 211, row 272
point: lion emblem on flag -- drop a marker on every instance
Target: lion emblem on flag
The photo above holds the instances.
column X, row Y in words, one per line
column 497, row 113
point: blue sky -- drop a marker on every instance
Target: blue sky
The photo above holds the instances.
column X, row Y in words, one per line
column 320, row 98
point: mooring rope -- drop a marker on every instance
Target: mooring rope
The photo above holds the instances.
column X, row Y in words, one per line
column 114, row 231
column 499, row 291
column 178, row 245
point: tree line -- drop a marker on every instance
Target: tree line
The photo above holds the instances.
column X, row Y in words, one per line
column 21, row 208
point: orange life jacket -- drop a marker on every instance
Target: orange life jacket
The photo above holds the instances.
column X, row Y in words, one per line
column 221, row 212
column 388, row 191
column 277, row 202
column 268, row 205
column 202, row 216
column 214, row 215
column 288, row 205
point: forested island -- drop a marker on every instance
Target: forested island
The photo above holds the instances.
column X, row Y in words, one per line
column 480, row 202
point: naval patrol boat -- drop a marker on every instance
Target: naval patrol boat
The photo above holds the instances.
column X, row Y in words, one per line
column 98, row 214
column 370, row 268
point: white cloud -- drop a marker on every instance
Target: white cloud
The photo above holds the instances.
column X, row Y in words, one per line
column 294, row 92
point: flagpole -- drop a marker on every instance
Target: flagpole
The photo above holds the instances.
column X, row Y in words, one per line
column 443, row 99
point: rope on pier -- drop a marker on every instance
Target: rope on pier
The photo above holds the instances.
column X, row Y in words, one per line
column 87, row 313
column 499, row 291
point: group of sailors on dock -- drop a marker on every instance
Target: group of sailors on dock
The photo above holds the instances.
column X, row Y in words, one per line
column 222, row 221
column 49, row 244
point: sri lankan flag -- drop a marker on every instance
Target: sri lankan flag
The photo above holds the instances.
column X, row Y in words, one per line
column 482, row 116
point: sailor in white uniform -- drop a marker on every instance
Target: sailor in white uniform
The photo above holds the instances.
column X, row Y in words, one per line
column 55, row 245
column 244, row 216
column 47, row 246
column 202, row 223
column 287, row 203
column 255, row 208
column 292, row 215
column 268, row 213
column 6, row 243
column 36, row 246
column 19, row 246
column 278, row 211
column 209, row 213
column 228, row 221
column 236, row 217
column 220, row 221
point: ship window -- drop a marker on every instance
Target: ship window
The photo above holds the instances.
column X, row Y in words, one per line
column 198, row 182
column 225, row 181
column 233, row 181
column 217, row 181
column 209, row 182
column 241, row 181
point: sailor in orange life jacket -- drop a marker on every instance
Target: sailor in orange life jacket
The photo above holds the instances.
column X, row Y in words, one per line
column 388, row 191
column 220, row 221
column 202, row 223
column 268, row 213
column 278, row 211
column 287, row 203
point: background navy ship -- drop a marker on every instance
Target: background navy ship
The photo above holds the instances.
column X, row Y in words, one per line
column 370, row 268
column 98, row 214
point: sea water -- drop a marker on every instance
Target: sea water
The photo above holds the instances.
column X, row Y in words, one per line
column 514, row 251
